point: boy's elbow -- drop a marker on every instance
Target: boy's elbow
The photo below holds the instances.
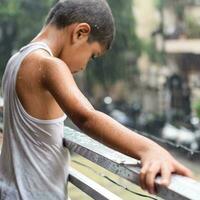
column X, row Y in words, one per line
column 84, row 121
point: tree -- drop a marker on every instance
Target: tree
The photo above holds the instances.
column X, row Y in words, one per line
column 20, row 21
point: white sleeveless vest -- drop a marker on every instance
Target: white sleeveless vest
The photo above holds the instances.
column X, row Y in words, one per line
column 33, row 162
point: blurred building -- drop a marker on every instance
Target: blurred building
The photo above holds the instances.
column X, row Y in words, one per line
column 181, row 44
column 152, row 75
column 174, row 26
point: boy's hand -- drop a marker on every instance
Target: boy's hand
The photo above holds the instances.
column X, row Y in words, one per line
column 157, row 161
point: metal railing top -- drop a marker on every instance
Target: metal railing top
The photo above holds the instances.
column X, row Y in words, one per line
column 181, row 188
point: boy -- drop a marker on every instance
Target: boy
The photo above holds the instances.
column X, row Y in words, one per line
column 39, row 89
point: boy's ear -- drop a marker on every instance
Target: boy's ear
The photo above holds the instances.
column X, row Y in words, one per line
column 81, row 32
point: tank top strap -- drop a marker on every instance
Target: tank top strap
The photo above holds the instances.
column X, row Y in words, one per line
column 40, row 45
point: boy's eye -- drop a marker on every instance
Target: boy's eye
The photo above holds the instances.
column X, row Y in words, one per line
column 93, row 56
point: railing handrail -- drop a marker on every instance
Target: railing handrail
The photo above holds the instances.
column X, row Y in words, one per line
column 181, row 188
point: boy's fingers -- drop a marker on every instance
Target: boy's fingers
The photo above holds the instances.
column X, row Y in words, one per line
column 143, row 175
column 180, row 169
column 152, row 172
column 166, row 175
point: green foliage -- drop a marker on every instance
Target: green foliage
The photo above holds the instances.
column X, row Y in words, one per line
column 9, row 9
column 197, row 108
column 155, row 56
column 192, row 28
column 32, row 16
column 159, row 3
column 120, row 61
column 20, row 21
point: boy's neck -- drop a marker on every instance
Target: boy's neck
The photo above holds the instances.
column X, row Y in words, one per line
column 54, row 38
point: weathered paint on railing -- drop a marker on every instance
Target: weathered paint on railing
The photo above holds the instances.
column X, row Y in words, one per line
column 181, row 188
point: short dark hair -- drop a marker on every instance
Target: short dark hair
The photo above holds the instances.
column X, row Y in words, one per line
column 96, row 13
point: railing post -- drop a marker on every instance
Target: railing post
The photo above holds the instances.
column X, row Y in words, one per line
column 90, row 187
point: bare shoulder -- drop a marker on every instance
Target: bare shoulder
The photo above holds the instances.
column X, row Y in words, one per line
column 53, row 64
column 55, row 70
column 41, row 65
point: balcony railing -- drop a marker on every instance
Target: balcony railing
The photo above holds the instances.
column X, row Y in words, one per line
column 181, row 188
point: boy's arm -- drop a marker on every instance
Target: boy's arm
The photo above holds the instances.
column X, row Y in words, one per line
column 58, row 80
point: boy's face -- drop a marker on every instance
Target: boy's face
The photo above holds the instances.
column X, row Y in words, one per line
column 78, row 51
column 78, row 59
